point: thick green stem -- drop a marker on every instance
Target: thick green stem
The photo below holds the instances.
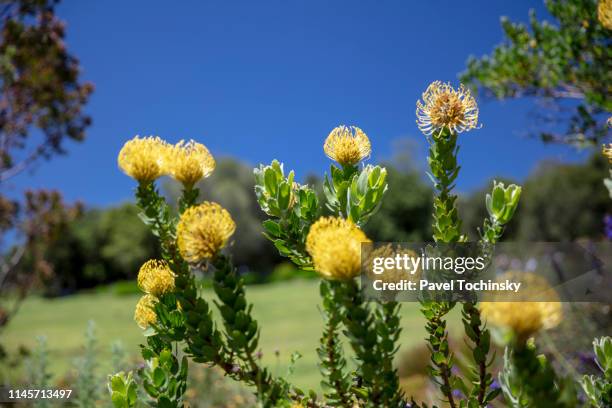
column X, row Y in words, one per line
column 331, row 356
column 242, row 336
column 361, row 331
column 388, row 328
column 446, row 229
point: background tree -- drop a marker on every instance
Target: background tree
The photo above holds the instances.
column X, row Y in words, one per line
column 560, row 202
column 566, row 67
column 102, row 246
column 42, row 95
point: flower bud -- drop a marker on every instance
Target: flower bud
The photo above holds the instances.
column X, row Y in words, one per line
column 502, row 202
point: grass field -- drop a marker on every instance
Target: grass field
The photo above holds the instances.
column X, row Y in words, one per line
column 288, row 315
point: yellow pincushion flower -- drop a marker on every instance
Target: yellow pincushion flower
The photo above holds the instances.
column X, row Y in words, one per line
column 525, row 318
column 604, row 13
column 445, row 107
column 607, row 151
column 203, row 231
column 156, row 278
column 144, row 315
column 143, row 159
column 190, row 162
column 347, row 145
column 335, row 247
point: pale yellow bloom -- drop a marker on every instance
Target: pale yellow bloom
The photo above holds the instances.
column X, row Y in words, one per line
column 144, row 315
column 335, row 247
column 347, row 145
column 203, row 231
column 525, row 318
column 156, row 278
column 445, row 107
column 143, row 159
column 604, row 13
column 607, row 151
column 190, row 162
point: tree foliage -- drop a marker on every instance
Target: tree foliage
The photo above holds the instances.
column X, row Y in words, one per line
column 41, row 106
column 566, row 66
column 40, row 85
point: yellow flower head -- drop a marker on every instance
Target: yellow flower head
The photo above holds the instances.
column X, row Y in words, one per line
column 335, row 247
column 156, row 278
column 525, row 318
column 604, row 13
column 607, row 151
column 189, row 162
column 144, row 315
column 445, row 107
column 143, row 158
column 347, row 145
column 203, row 231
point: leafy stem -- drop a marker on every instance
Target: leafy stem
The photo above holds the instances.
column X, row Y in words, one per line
column 332, row 361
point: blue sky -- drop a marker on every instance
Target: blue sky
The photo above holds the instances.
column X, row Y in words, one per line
column 260, row 80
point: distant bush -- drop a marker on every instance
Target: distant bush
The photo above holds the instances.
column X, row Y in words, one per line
column 286, row 271
column 120, row 288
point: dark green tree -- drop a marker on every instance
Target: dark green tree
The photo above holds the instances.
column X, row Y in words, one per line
column 565, row 66
column 101, row 247
column 560, row 202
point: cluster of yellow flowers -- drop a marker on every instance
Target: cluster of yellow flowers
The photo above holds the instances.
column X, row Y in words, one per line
column 335, row 247
column 445, row 107
column 347, row 145
column 525, row 318
column 146, row 159
column 203, row 231
column 155, row 278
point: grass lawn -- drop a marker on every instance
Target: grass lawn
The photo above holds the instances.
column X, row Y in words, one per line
column 287, row 312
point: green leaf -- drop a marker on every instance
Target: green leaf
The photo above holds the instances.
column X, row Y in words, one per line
column 272, row 228
column 117, row 384
column 159, row 377
column 132, row 395
column 119, row 400
column 164, row 402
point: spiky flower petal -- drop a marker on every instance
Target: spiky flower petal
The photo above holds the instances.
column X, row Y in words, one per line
column 347, row 145
column 445, row 107
column 525, row 318
column 144, row 314
column 203, row 231
column 156, row 278
column 335, row 247
column 189, row 162
column 604, row 13
column 143, row 159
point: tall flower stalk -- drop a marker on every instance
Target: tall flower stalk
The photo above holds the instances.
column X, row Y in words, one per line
column 331, row 246
column 442, row 115
column 172, row 313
